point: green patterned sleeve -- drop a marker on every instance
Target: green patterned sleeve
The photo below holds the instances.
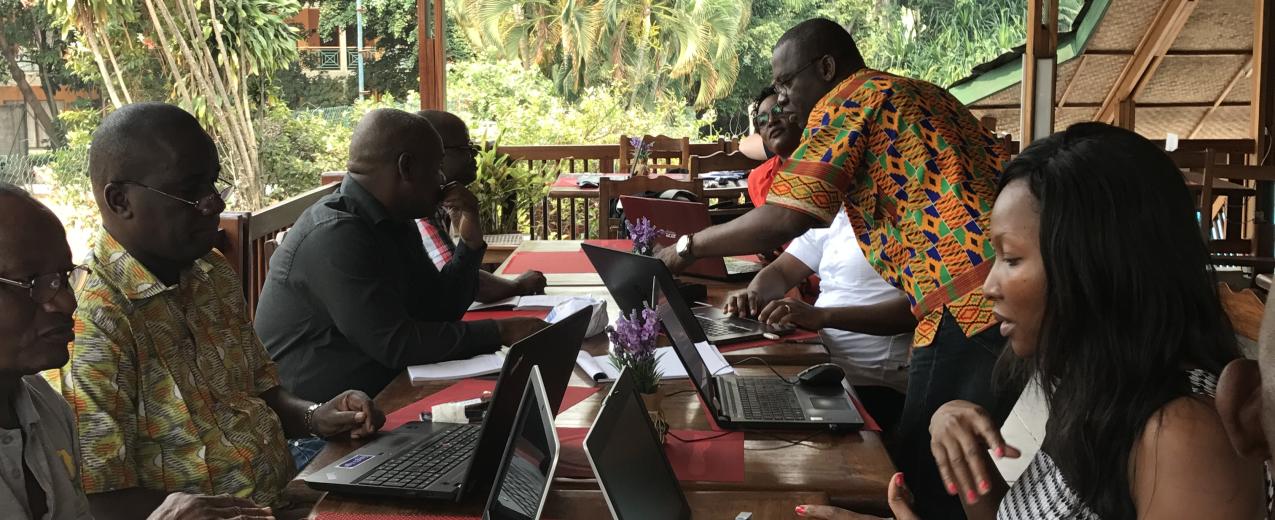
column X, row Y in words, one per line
column 100, row 383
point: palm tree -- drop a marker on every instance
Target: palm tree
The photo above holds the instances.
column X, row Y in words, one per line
column 649, row 46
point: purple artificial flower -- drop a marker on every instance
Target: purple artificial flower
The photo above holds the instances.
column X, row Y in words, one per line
column 634, row 336
column 643, row 233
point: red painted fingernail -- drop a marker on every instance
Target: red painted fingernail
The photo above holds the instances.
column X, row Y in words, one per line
column 983, row 486
column 970, row 497
column 999, row 452
column 801, row 510
column 898, row 479
column 951, row 488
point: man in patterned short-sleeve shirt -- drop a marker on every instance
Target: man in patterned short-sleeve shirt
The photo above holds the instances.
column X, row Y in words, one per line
column 917, row 176
column 171, row 389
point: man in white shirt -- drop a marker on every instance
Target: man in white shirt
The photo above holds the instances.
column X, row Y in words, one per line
column 872, row 348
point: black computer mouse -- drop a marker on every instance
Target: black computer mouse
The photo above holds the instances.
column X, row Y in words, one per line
column 823, row 374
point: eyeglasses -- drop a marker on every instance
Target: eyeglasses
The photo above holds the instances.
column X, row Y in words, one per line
column 470, row 148
column 766, row 117
column 206, row 205
column 45, row 287
column 785, row 84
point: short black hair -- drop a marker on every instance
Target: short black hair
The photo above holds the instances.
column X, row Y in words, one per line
column 766, row 91
column 819, row 36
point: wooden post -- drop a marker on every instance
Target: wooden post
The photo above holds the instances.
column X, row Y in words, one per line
column 1040, row 68
column 431, row 35
column 1263, row 101
column 1125, row 115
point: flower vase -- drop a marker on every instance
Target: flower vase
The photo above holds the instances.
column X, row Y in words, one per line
column 642, row 249
column 655, row 411
column 639, row 168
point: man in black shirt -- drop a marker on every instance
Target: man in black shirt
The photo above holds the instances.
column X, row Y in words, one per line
column 351, row 298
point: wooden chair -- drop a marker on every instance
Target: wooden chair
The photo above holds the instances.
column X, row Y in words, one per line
column 1236, row 207
column 667, row 153
column 609, row 190
column 720, row 162
column 1245, row 310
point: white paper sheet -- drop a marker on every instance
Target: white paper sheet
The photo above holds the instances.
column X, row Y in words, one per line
column 670, row 366
column 482, row 365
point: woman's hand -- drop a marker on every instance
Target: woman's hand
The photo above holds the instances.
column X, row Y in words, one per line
column 900, row 505
column 744, row 303
column 961, row 433
column 791, row 311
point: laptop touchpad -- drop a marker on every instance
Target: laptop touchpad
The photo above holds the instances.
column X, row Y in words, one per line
column 828, row 403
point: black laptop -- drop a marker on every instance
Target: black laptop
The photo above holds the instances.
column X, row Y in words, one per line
column 632, row 280
column 531, row 456
column 451, row 461
column 629, row 462
column 759, row 402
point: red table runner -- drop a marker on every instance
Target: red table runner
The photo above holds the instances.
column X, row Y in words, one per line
column 708, row 457
column 549, row 262
column 466, row 389
column 797, row 335
column 504, row 314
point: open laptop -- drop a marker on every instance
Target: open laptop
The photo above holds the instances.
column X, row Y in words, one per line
column 451, row 461
column 759, row 402
column 633, row 280
column 678, row 217
column 632, row 469
column 531, row 456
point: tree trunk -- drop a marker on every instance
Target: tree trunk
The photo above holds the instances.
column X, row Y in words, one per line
column 85, row 21
column 28, row 94
column 46, row 82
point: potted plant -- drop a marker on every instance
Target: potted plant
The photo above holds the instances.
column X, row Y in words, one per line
column 643, row 233
column 506, row 189
column 641, row 153
column 633, row 346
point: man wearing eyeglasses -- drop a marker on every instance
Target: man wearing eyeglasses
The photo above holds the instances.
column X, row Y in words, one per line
column 171, row 388
column 917, row 176
column 460, row 169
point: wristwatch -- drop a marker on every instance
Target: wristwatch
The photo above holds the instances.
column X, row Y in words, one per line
column 683, row 247
column 309, row 419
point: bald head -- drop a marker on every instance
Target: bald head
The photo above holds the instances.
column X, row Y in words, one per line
column 35, row 323
column 819, row 36
column 396, row 156
column 23, row 219
column 141, row 140
column 450, row 127
column 384, row 135
column 459, row 162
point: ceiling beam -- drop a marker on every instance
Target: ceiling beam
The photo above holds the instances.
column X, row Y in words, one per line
column 1080, row 67
column 1221, row 98
column 1164, row 29
column 1040, row 70
column 1211, row 53
column 1176, row 104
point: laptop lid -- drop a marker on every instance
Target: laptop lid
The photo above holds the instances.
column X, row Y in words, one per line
column 629, row 462
column 531, row 456
column 676, row 218
column 632, row 281
column 696, row 369
column 554, row 350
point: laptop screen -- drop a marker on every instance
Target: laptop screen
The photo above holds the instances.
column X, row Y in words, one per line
column 633, row 279
column 695, row 366
column 631, row 466
column 528, row 463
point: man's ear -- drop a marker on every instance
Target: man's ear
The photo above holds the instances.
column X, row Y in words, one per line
column 116, row 199
column 1239, row 403
column 827, row 68
column 405, row 168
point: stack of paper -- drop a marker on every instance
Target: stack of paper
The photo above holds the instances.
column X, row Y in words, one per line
column 538, row 301
column 670, row 366
column 482, row 365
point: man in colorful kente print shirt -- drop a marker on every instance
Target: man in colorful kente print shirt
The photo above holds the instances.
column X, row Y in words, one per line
column 917, row 176
column 171, row 389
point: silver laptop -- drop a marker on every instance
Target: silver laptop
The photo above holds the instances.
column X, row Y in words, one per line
column 531, row 456
column 760, row 402
column 632, row 469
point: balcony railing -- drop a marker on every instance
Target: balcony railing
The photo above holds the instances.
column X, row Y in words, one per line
column 329, row 58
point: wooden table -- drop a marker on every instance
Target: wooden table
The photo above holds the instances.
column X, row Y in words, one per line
column 847, row 469
column 588, row 504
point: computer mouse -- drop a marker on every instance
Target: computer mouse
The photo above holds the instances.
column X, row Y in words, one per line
column 824, row 374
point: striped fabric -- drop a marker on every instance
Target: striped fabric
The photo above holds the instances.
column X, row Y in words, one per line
column 436, row 242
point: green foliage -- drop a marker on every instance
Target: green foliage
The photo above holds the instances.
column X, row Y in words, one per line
column 70, row 169
column 502, row 97
column 298, row 148
column 300, row 86
column 506, row 189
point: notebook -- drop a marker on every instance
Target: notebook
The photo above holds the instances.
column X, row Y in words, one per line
column 602, row 370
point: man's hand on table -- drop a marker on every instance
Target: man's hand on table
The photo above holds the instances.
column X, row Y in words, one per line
column 791, row 311
column 352, row 411
column 185, row 506
column 530, row 282
column 744, row 303
column 512, row 330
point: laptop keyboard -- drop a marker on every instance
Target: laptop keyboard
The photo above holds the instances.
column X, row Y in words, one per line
column 427, row 461
column 720, row 328
column 766, row 399
column 522, row 488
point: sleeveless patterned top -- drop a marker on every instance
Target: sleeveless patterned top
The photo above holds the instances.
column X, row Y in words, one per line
column 1041, row 493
